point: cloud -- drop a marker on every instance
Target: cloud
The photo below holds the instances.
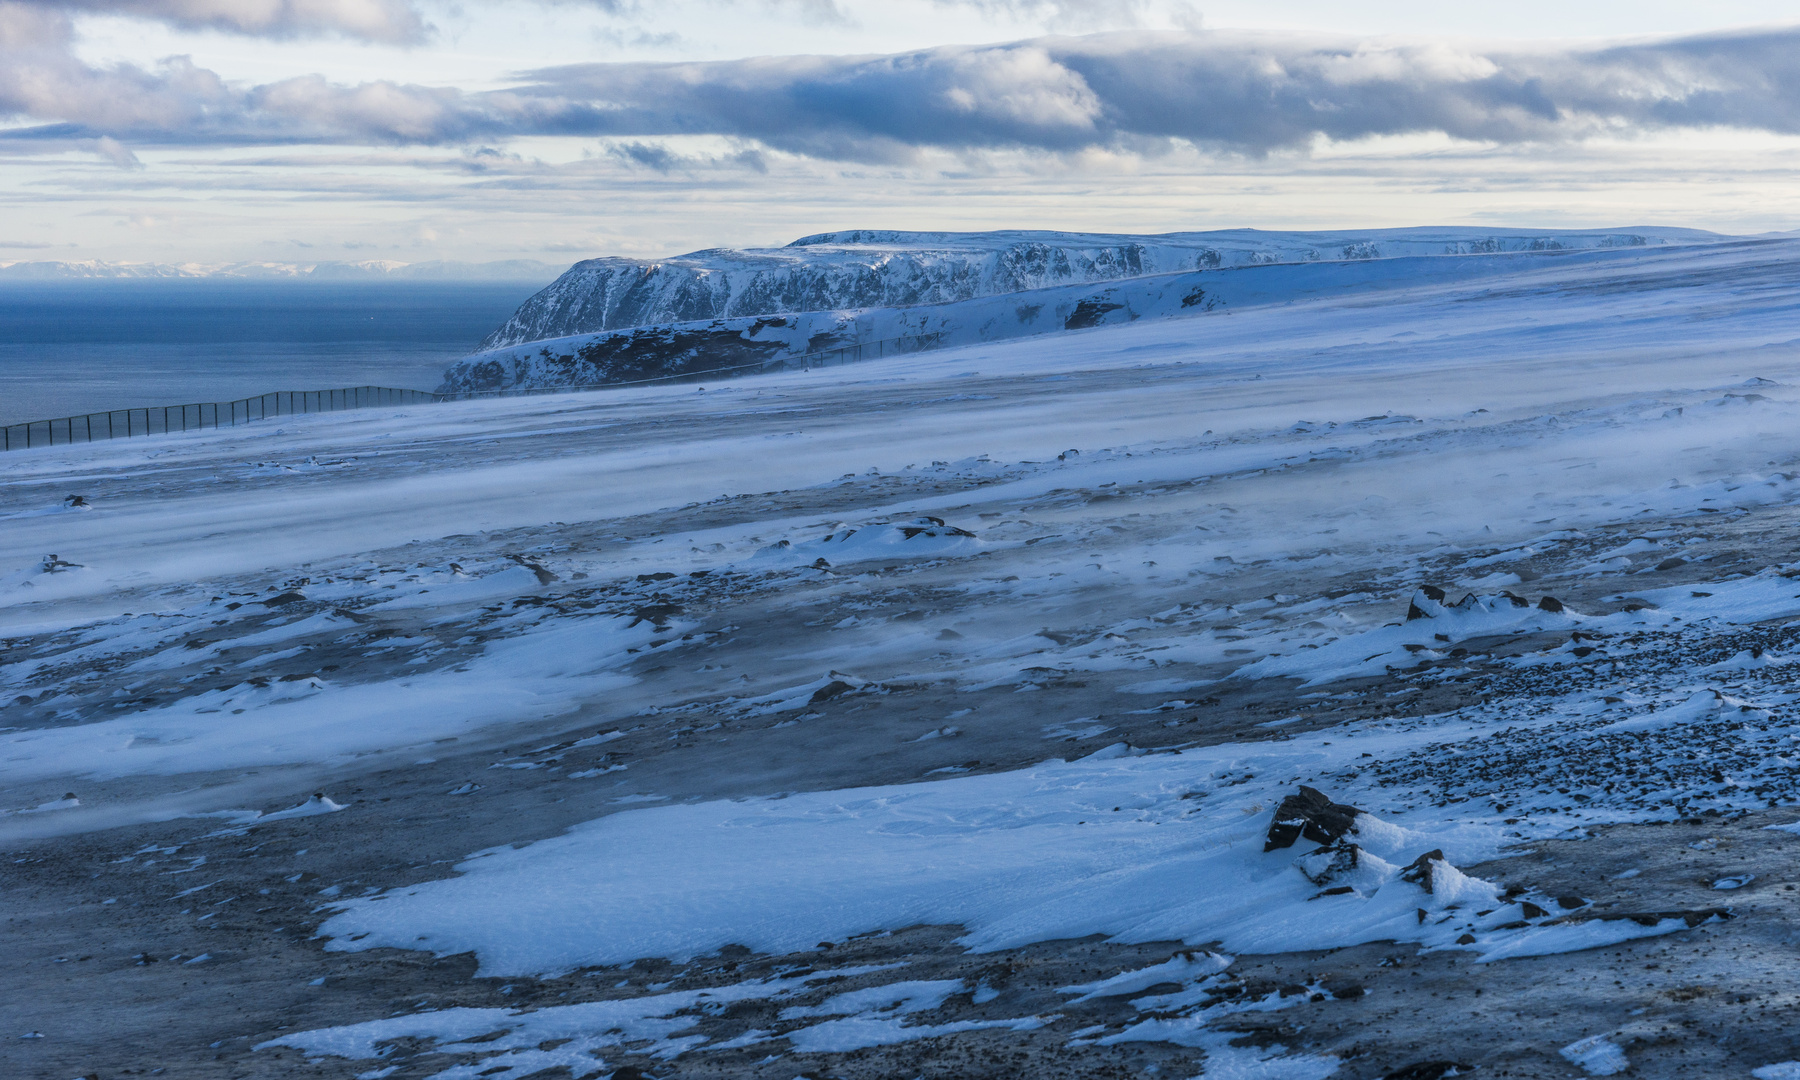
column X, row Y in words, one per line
column 651, row 156
column 1131, row 91
column 1237, row 91
column 659, row 158
column 1063, row 14
column 115, row 151
column 376, row 20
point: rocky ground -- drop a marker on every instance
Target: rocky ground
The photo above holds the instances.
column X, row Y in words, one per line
column 270, row 675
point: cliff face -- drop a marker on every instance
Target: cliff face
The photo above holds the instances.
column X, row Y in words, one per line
column 877, row 269
column 822, row 338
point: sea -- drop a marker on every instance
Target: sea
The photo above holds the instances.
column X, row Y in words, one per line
column 71, row 347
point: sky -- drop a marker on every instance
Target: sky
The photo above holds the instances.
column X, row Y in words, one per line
column 217, row 131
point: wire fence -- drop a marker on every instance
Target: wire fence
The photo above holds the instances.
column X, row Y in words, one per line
column 200, row 416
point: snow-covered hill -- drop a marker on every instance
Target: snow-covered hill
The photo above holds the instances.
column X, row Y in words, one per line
column 880, row 269
column 827, row 337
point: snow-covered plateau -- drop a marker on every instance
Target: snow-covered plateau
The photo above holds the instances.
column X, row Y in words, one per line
column 1386, row 674
column 632, row 319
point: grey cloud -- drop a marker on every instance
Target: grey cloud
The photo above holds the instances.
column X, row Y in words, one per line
column 377, row 20
column 661, row 159
column 1249, row 93
column 1244, row 92
column 651, row 156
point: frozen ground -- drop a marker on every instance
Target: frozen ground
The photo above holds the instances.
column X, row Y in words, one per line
column 932, row 717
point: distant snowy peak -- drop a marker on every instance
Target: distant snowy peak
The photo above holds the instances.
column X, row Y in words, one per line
column 437, row 270
column 888, row 269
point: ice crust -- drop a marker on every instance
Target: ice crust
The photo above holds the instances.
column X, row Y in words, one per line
column 1015, row 858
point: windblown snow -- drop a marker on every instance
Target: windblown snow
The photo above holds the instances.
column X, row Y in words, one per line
column 953, row 630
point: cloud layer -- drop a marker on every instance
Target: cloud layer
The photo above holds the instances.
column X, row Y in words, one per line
column 376, row 20
column 1241, row 92
column 1244, row 92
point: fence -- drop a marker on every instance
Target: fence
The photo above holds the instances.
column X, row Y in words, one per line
column 166, row 419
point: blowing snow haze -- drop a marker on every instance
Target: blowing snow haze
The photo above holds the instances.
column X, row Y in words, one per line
column 1033, row 625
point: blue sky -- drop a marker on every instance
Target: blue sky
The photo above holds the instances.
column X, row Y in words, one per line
column 302, row 130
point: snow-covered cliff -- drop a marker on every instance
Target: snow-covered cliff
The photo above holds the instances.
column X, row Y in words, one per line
column 744, row 344
column 881, row 269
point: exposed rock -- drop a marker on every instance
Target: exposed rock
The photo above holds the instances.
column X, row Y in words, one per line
column 1344, row 867
column 832, row 689
column 1419, row 871
column 1424, row 611
column 544, row 577
column 1427, row 1070
column 931, row 526
column 1327, row 864
column 657, row 615
column 1310, row 814
column 1647, row 918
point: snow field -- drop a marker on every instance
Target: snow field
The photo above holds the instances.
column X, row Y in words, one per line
column 1259, row 503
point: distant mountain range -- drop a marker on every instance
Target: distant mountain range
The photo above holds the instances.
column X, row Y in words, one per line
column 528, row 270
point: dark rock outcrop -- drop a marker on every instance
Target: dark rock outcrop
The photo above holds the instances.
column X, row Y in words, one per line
column 1310, row 814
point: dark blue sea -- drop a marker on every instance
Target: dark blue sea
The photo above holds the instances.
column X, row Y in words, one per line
column 71, row 347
